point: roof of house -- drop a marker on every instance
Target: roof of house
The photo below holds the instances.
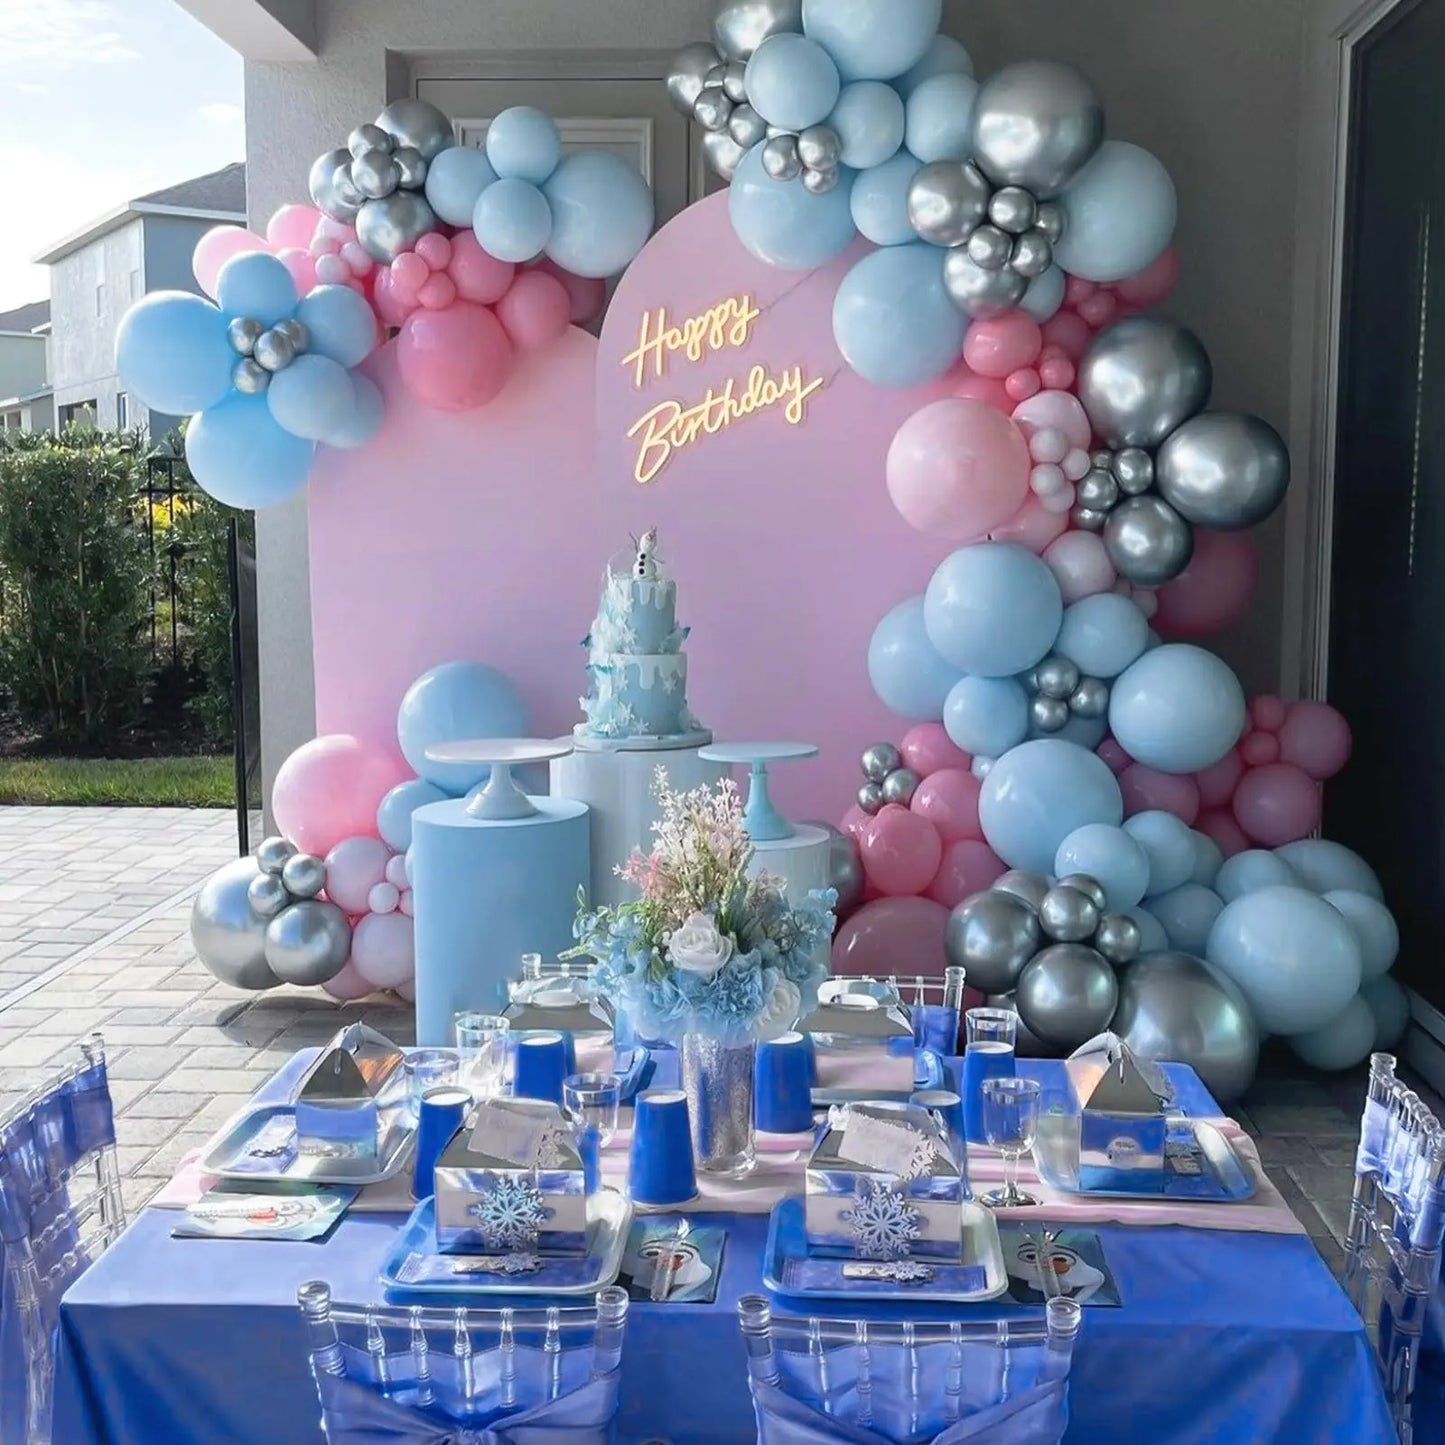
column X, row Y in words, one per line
column 24, row 319
column 217, row 196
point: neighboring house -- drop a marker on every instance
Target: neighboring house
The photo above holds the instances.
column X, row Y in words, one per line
column 25, row 403
column 143, row 245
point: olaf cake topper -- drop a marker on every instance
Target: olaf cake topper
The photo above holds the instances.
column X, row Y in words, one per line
column 644, row 568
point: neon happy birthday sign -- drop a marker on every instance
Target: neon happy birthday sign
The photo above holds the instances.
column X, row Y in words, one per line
column 672, row 425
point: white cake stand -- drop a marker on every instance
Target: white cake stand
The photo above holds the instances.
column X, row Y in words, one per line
column 501, row 798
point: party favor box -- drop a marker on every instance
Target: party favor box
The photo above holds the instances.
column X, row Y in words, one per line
column 884, row 1183
column 340, row 1098
column 563, row 1004
column 512, row 1182
column 1121, row 1120
column 862, row 1048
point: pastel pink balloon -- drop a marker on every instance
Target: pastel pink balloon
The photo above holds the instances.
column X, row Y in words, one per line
column 587, row 295
column 892, row 935
column 383, row 898
column 1219, row 824
column 437, row 292
column 407, row 991
column 302, row 266
column 1059, row 411
column 949, row 800
column 968, row 866
column 217, row 247
column 353, row 868
column 927, row 748
column 855, row 820
column 390, row 306
column 454, row 360
column 1258, row 748
column 1316, row 738
column 1002, row 343
column 479, row 276
column 1214, row 591
column 435, row 250
column 901, row 850
column 348, row 984
column 1022, row 384
column 968, row 385
column 1099, row 309
column 329, row 229
column 1217, row 782
column 1077, row 289
column 1114, row 755
column 1277, row 804
column 357, row 257
column 293, row 225
column 383, row 948
column 1032, row 526
column 332, row 271
column 1153, row 284
column 396, row 872
column 1146, row 789
column 329, row 789
column 1057, row 372
column 409, row 272
column 1267, row 712
column 536, row 311
column 404, row 902
column 1069, row 332
column 1080, row 565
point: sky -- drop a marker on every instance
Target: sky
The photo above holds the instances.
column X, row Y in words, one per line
column 102, row 101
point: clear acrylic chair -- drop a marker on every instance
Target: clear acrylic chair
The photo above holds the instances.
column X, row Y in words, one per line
column 1397, row 1222
column 60, row 1207
column 465, row 1376
column 902, row 1383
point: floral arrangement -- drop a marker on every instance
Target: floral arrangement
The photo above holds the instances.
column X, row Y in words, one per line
column 706, row 949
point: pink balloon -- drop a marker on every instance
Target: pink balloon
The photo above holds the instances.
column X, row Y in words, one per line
column 1069, row 332
column 348, row 984
column 332, row 271
column 383, row 948
column 437, row 292
column 968, row 866
column 1056, row 371
column 957, row 468
column 353, row 868
column 892, row 935
column 435, row 250
column 1217, row 782
column 217, row 247
column 1277, row 804
column 536, row 311
column 390, row 306
column 479, row 276
column 1258, row 749
column 1099, row 309
column 1316, row 738
column 409, row 272
column 1153, row 284
column 1080, row 565
column 1114, row 755
column 586, row 295
column 1002, row 343
column 1022, row 384
column 901, row 850
column 454, row 360
column 1214, row 591
column 968, row 385
column 302, row 266
column 1145, row 789
column 329, row 789
column 927, row 748
column 293, row 225
column 1219, row 824
column 949, row 800
column 357, row 257
column 1059, row 411
column 1267, row 712
column 855, row 820
column 407, row 991
column 1032, row 526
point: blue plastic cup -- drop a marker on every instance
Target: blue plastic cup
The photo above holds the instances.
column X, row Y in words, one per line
column 540, row 1066
column 659, row 1168
column 439, row 1115
column 948, row 1106
column 782, row 1085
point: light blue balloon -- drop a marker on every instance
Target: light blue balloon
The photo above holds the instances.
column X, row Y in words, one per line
column 906, row 673
column 869, row 122
column 1346, row 1040
column 523, row 143
column 993, row 609
column 1040, row 792
column 365, row 419
column 1323, row 865
column 1187, row 913
column 513, row 220
column 1390, row 1005
column 1152, row 938
column 939, row 118
column 172, row 354
column 340, row 323
column 944, row 56
column 256, row 285
column 783, row 223
column 792, row 81
column 602, row 213
column 873, row 39
column 1292, row 955
column 880, row 200
column 1166, row 841
column 393, row 814
column 986, row 716
column 893, row 318
column 456, row 702
column 312, row 398
column 1110, row 855
column 1088, row 732
column 1045, row 294
column 1374, row 927
column 1251, row 869
column 238, row 453
column 1101, row 635
column 455, row 180
column 1120, row 212
column 1208, row 859
column 1178, row 708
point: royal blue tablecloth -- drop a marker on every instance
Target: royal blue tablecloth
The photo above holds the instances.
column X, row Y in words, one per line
column 1222, row 1337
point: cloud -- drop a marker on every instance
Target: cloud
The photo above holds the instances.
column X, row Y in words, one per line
column 61, row 34
column 223, row 113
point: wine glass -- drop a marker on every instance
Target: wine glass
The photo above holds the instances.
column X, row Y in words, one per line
column 1010, row 1121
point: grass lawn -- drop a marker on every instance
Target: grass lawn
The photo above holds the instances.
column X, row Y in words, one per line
column 202, row 782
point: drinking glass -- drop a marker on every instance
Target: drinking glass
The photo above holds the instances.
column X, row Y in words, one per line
column 482, row 1046
column 429, row 1069
column 592, row 1101
column 1010, row 1121
column 987, row 1054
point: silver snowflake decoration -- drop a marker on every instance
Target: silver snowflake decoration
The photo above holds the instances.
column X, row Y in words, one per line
column 883, row 1224
column 554, row 1148
column 511, row 1215
column 518, row 1263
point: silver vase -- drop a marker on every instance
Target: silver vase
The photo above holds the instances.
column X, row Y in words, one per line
column 718, row 1081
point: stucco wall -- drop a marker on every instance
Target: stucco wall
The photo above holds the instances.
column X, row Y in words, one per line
column 22, row 364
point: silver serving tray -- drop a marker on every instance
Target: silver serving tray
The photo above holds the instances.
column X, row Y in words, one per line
column 227, row 1148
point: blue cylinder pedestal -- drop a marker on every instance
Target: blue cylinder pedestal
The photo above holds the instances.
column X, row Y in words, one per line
column 486, row 891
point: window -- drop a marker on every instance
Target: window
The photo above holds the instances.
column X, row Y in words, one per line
column 100, row 299
column 135, row 283
column 122, row 411
column 77, row 413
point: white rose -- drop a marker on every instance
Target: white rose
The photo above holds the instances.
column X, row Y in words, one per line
column 698, row 946
column 780, row 1012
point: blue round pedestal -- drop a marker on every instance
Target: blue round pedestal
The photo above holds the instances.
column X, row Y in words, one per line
column 487, row 891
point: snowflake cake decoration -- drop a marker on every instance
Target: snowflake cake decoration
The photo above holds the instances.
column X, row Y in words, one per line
column 511, row 1215
column 883, row 1224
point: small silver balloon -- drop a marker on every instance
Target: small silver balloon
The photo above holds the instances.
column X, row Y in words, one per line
column 394, row 224
column 740, row 26
column 879, row 760
column 734, row 81
column 1088, row 519
column 227, row 936
column 274, row 350
column 982, row 294
column 989, row 247
column 746, row 126
column 1224, row 470
column 249, row 377
column 1056, row 676
column 295, row 332
column 1032, row 254
column 722, row 152
column 369, row 137
column 819, row 148
column 1068, row 915
column 991, row 936
column 900, row 785
column 780, row 158
column 1141, row 378
column 1048, row 714
column 418, row 124
column 330, row 186
column 1050, row 220
column 1133, row 469
column 1035, row 124
column 1067, row 993
column 1087, row 884
column 304, row 875
column 870, row 797
column 1097, row 490
column 1090, row 698
column 946, row 202
column 375, row 175
column 242, row 333
column 411, row 166
column 308, row 943
column 1147, row 540
column 1030, row 887
column 821, row 182
column 716, row 76
column 1118, row 938
column 272, row 853
column 713, row 109
column 845, row 871
column 267, row 895
column 687, row 74
column 1012, row 209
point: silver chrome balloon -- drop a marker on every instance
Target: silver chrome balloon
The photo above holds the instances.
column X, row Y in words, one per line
column 845, row 871
column 267, row 895
column 1026, row 1045
column 412, row 167
column 1051, row 220
column 1089, row 519
column 1035, row 124
column 982, row 294
column 1223, row 469
column 1013, row 209
column 330, row 186
column 304, row 875
column 272, row 853
column 1147, row 540
column 1048, row 714
column 723, row 153
column 1090, row 698
column 1133, row 469
column 228, row 937
column 780, row 158
column 991, row 936
column 734, row 80
column 1086, row 884
column 870, row 797
column 1097, row 490
column 819, row 148
column 900, row 785
column 879, row 760
column 1141, row 378
column 1032, row 254
column 947, row 201
column 989, row 247
column 687, row 74
column 274, row 350
column 1056, row 676
column 1030, row 887
column 742, row 25
column 308, row 943
column 1067, row 993
column 712, row 109
column 418, row 124
column 821, row 182
column 1118, row 938
column 746, row 126
column 1067, row 914
column 1176, row 1007
column 242, row 333
column 249, row 377
column 369, row 137
column 394, row 224
column 295, row 332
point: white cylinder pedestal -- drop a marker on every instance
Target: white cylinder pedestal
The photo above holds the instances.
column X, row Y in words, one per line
column 616, row 786
column 802, row 861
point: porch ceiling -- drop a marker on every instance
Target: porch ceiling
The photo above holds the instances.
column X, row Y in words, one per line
column 283, row 30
